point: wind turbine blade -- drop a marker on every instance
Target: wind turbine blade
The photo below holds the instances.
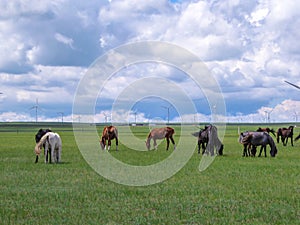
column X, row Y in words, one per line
column 296, row 86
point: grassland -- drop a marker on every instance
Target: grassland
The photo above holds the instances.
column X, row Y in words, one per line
column 233, row 190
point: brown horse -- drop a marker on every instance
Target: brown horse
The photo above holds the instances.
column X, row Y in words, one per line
column 297, row 138
column 285, row 134
column 266, row 129
column 161, row 133
column 109, row 133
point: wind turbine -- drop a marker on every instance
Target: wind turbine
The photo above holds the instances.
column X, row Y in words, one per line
column 268, row 119
column 36, row 107
column 168, row 108
column 294, row 85
column 105, row 116
column 134, row 113
column 62, row 116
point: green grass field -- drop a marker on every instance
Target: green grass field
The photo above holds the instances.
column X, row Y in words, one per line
column 233, row 190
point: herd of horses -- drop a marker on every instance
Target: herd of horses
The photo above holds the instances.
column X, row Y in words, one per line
column 261, row 137
column 208, row 140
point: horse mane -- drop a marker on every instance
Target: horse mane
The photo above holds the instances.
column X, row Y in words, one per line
column 37, row 148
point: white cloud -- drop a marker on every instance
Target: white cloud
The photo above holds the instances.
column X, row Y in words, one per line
column 63, row 39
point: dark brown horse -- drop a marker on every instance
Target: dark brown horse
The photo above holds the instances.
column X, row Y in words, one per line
column 266, row 129
column 109, row 133
column 260, row 139
column 161, row 133
column 285, row 133
column 297, row 138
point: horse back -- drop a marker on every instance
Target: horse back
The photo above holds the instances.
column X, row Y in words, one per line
column 110, row 131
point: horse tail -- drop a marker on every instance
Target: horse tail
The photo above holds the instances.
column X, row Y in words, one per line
column 278, row 134
column 38, row 146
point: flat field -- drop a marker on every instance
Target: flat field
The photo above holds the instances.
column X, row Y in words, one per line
column 232, row 190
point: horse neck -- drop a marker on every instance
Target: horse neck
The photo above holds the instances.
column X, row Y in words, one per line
column 149, row 138
column 271, row 143
column 43, row 139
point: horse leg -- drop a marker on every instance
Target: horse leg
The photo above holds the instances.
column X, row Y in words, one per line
column 46, row 152
column 292, row 141
column 261, row 148
column 59, row 154
column 173, row 142
column 203, row 148
column 199, row 144
column 109, row 144
column 52, row 153
column 283, row 140
column 168, row 143
column 245, row 150
column 154, row 143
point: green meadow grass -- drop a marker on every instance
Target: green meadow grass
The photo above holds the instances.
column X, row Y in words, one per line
column 232, row 190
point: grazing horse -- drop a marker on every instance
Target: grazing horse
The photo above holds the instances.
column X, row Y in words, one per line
column 297, row 138
column 267, row 129
column 109, row 133
column 38, row 137
column 208, row 140
column 52, row 142
column 285, row 134
column 161, row 133
column 260, row 139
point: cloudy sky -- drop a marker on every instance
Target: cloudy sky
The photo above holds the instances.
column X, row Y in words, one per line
column 250, row 48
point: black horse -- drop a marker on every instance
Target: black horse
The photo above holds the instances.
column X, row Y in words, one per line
column 38, row 137
column 260, row 139
column 208, row 140
column 297, row 138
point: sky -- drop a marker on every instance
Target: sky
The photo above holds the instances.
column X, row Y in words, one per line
column 249, row 47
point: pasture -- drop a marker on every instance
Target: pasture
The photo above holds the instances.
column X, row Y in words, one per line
column 233, row 190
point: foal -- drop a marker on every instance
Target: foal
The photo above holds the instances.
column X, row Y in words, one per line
column 161, row 133
column 109, row 133
column 285, row 134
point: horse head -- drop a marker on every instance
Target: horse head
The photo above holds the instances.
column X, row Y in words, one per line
column 147, row 144
column 102, row 143
column 273, row 151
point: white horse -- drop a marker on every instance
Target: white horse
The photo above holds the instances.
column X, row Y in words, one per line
column 53, row 142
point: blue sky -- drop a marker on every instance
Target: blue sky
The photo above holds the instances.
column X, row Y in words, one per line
column 250, row 48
